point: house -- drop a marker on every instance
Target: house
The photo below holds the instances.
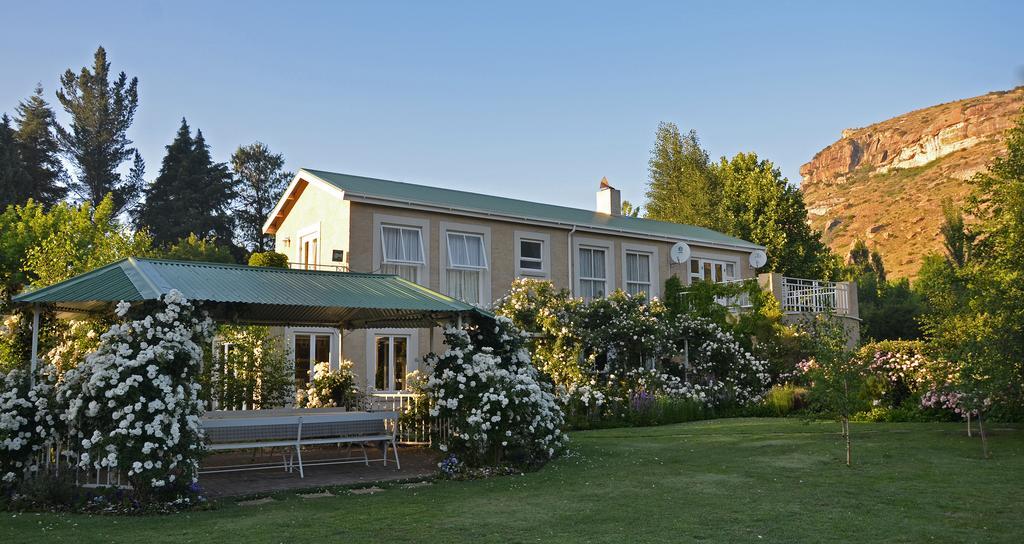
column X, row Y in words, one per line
column 471, row 246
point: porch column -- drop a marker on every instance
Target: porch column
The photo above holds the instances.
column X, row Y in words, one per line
column 35, row 345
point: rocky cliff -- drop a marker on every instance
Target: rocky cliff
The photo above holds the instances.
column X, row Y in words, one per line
column 885, row 183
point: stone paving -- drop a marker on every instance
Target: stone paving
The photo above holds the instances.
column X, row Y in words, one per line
column 416, row 463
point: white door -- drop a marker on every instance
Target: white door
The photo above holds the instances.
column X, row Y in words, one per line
column 309, row 251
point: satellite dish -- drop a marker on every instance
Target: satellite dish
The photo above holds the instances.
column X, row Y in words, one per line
column 680, row 253
column 758, row 258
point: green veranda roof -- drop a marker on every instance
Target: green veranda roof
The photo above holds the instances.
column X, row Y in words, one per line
column 256, row 295
column 522, row 209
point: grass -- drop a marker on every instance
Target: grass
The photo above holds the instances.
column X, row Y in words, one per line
column 738, row 480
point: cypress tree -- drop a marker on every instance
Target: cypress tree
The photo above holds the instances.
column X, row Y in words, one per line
column 191, row 195
column 39, row 151
column 14, row 179
column 96, row 142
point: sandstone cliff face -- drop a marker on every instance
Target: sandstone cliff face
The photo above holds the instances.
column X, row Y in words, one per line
column 885, row 183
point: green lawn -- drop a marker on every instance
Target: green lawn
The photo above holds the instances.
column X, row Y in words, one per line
column 744, row 480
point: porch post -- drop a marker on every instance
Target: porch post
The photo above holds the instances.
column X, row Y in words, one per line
column 35, row 345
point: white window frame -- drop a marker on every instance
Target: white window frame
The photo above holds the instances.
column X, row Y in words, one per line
column 401, row 230
column 379, row 220
column 545, row 254
column 484, row 295
column 609, row 263
column 654, row 263
column 465, row 235
column 737, row 274
column 335, row 351
column 412, row 337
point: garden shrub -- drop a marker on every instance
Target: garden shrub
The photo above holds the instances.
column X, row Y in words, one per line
column 606, row 355
column 133, row 405
column 497, row 406
column 271, row 259
column 332, row 388
column 27, row 423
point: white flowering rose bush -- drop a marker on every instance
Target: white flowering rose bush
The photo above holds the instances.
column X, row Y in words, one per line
column 717, row 366
column 632, row 352
column 495, row 402
column 133, row 405
column 332, row 388
column 27, row 424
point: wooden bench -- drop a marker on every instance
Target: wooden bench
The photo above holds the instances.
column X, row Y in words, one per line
column 251, row 429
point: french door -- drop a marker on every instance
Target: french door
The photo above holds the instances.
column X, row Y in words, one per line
column 391, row 361
column 309, row 252
column 309, row 349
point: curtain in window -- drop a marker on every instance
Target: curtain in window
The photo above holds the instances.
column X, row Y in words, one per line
column 464, row 285
column 466, row 250
column 404, row 271
column 401, row 244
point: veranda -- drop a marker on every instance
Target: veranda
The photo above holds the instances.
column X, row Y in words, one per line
column 275, row 297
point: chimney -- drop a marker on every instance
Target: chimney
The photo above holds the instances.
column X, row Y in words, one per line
column 609, row 199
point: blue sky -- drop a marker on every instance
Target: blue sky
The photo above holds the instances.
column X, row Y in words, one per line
column 531, row 100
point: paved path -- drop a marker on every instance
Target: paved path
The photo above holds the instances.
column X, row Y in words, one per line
column 416, row 463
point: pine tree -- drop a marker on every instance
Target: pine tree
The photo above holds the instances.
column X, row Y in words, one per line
column 260, row 180
column 14, row 179
column 191, row 195
column 39, row 151
column 682, row 186
column 96, row 142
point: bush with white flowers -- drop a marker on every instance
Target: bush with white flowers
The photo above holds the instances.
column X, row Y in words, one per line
column 332, row 388
column 497, row 406
column 26, row 424
column 622, row 346
column 133, row 406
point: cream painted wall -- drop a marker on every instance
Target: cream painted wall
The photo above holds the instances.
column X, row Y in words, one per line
column 316, row 208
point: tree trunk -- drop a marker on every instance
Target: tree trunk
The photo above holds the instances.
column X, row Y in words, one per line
column 849, row 447
column 968, row 424
column 984, row 439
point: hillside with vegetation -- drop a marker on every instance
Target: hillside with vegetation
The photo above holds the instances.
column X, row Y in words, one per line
column 886, row 183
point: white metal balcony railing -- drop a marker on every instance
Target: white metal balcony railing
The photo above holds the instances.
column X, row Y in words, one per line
column 322, row 267
column 815, row 296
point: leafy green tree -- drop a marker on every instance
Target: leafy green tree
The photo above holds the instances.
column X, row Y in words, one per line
column 758, row 204
column 630, row 210
column 83, row 238
column 837, row 374
column 96, row 143
column 14, row 177
column 191, row 195
column 194, row 248
column 260, row 180
column 682, row 187
column 976, row 297
column 889, row 310
column 39, row 150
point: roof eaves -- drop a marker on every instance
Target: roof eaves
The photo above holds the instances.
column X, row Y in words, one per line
column 742, row 245
column 35, row 294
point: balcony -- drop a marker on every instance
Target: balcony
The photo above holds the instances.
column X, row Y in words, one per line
column 321, row 267
column 806, row 296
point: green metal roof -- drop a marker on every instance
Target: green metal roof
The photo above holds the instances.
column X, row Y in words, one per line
column 248, row 294
column 522, row 209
